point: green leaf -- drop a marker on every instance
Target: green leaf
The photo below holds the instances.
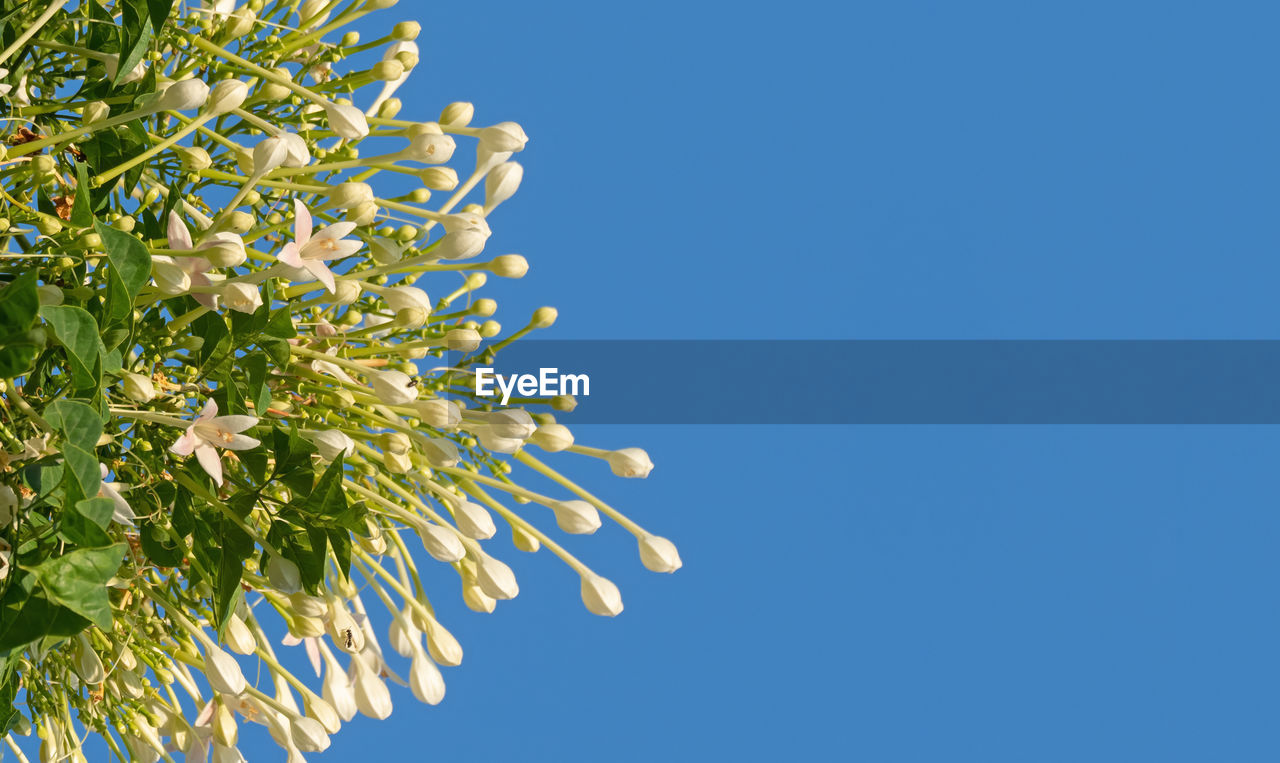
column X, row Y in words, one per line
column 78, row 332
column 78, row 581
column 127, row 255
column 80, row 428
column 159, row 13
column 159, row 546
column 27, row 616
column 19, row 343
column 137, row 32
column 82, row 208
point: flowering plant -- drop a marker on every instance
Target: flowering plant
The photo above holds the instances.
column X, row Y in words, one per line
column 211, row 401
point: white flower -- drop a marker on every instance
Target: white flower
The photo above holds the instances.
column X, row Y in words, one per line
column 239, row 637
column 308, row 734
column 493, row 442
column 309, row 252
column 121, row 513
column 577, row 517
column 444, row 648
column 404, row 638
column 211, row 431
column 349, row 194
column 659, row 554
column 220, row 8
column 443, row 544
column 222, row 670
column 297, row 154
column 88, row 663
column 425, row 680
column 504, row 136
column 465, row 236
column 270, row 153
column 337, row 689
column 630, row 462
column 501, row 184
column 405, row 297
column 283, row 575
column 473, row 521
column 438, row 413
column 224, row 249
column 177, row 277
column 139, row 388
column 495, row 578
column 511, row 423
column 600, row 595
column 242, row 297
column 552, row 438
column 330, row 443
column 430, row 148
column 343, row 629
column 441, row 452
column 309, row 15
column 227, row 95
column 112, row 65
column 183, row 96
column 8, row 506
column 393, row 387
column 346, row 120
column 371, row 695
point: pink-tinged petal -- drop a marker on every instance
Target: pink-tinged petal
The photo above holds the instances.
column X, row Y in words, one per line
column 301, row 222
column 206, row 299
column 205, row 716
column 239, row 442
column 290, row 255
column 313, row 653
column 186, row 443
column 209, row 411
column 211, row 462
column 197, row 267
column 291, row 640
column 179, row 236
column 234, row 423
column 337, row 230
column 322, row 273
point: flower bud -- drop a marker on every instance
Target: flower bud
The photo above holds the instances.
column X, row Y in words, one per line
column 404, row 297
column 495, row 578
column 240, row 24
column 297, row 153
column 438, row 413
column 272, row 91
column 630, row 462
column 347, row 195
column 283, row 575
column 441, row 452
column 552, row 438
column 403, row 636
column 477, row 600
column 388, row 71
column 457, row 114
column 309, row 14
column 524, row 540
column 239, row 638
column 193, row 158
column 385, row 251
column 323, row 712
column 371, row 694
column 425, row 680
column 307, row 627
column 577, row 517
column 544, row 317
column 395, row 442
column 379, row 5
column 330, row 443
column 338, row 691
column 223, row 671
column 504, row 136
column 225, row 732
column 659, row 554
column 363, row 213
column 94, row 112
column 430, row 149
column 465, row 236
column 501, row 183
column 484, row 307
column 342, row 627
column 393, row 387
column 441, row 644
column 511, row 423
column 183, row 96
column 170, row 278
column 348, row 291
column 88, row 663
column 225, row 249
column 600, row 595
column 226, row 96
column 462, row 340
column 242, row 297
column 442, row 543
column 397, row 463
column 139, row 388
column 390, row 108
column 509, row 266
column 496, row 444
column 307, row 605
column 308, row 734
column 439, row 178
column 269, row 154
column 346, row 120
column 473, row 521
column 406, row 30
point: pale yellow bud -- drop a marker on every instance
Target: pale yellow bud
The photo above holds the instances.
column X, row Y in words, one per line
column 457, row 114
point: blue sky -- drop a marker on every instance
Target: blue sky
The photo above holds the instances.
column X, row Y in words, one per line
column 888, row 170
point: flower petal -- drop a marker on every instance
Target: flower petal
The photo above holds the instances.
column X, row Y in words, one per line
column 337, row 230
column 186, row 443
column 322, row 273
column 239, row 442
column 211, row 462
column 301, row 223
column 209, row 411
column 179, row 236
column 290, row 255
column 234, row 423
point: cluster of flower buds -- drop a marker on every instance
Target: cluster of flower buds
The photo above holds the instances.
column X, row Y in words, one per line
column 283, row 404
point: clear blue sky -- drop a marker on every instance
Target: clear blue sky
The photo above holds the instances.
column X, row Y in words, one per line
column 887, row 170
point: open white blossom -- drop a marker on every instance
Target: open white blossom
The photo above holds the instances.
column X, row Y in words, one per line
column 209, row 432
